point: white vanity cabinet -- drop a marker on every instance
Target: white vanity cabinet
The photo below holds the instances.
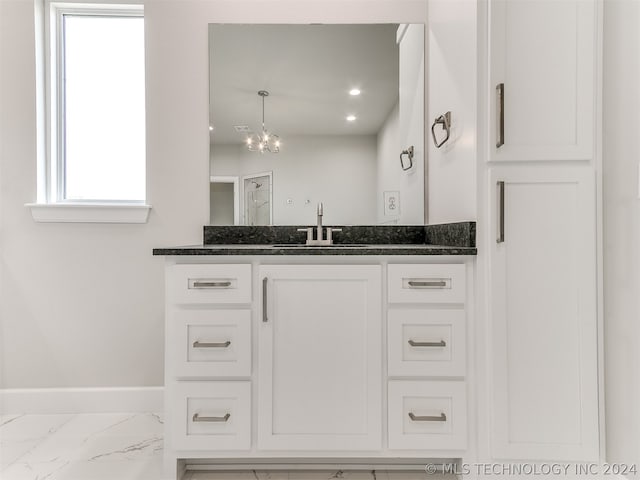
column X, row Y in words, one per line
column 325, row 360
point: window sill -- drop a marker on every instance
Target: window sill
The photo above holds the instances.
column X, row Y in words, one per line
column 89, row 212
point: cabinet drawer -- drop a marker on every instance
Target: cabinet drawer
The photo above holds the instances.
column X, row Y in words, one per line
column 427, row 415
column 212, row 416
column 210, row 343
column 426, row 342
column 441, row 283
column 197, row 284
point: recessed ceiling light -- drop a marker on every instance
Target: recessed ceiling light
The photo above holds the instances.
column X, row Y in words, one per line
column 351, row 118
column 210, row 128
column 354, row 92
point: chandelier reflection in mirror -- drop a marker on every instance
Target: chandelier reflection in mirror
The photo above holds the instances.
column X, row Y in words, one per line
column 265, row 141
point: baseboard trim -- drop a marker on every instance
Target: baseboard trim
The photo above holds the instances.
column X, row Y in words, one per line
column 81, row 400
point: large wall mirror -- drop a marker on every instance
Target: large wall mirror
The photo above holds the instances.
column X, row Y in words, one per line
column 301, row 114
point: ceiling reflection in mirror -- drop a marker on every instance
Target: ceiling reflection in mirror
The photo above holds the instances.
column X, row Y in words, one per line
column 302, row 114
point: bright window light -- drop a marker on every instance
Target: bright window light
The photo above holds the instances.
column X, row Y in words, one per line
column 103, row 108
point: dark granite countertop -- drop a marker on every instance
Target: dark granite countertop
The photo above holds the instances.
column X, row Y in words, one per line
column 442, row 239
column 405, row 249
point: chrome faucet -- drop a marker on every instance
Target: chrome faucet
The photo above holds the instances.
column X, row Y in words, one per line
column 319, row 240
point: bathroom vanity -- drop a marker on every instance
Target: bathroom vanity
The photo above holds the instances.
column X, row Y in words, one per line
column 352, row 355
column 384, row 350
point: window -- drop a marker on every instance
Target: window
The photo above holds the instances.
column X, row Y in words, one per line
column 102, row 97
column 95, row 110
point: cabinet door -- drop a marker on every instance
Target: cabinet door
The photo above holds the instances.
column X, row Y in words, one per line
column 543, row 314
column 320, row 361
column 544, row 53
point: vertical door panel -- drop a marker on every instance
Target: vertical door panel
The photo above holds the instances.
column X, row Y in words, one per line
column 543, row 315
column 544, row 52
column 320, row 358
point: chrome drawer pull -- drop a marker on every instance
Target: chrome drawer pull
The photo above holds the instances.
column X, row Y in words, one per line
column 500, row 115
column 441, row 343
column 265, row 291
column 427, row 418
column 198, row 418
column 427, row 283
column 209, row 284
column 500, row 238
column 199, row 344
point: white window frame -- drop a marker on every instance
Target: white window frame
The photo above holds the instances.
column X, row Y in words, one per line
column 50, row 205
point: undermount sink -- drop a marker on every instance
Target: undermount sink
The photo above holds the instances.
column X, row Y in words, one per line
column 304, row 245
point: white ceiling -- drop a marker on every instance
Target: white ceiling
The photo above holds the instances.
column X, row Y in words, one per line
column 308, row 71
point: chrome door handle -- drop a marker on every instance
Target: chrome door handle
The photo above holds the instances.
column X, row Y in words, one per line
column 265, row 283
column 441, row 343
column 499, row 115
column 428, row 418
column 427, row 283
column 209, row 284
column 500, row 238
column 198, row 418
column 199, row 344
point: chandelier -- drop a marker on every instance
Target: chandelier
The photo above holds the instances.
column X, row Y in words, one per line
column 265, row 141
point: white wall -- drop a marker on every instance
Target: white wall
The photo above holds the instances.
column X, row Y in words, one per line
column 390, row 176
column 405, row 128
column 621, row 157
column 388, row 163
column 221, row 198
column 452, row 74
column 82, row 305
column 411, row 108
column 337, row 170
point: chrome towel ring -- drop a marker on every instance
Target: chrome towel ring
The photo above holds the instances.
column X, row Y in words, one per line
column 445, row 121
column 409, row 153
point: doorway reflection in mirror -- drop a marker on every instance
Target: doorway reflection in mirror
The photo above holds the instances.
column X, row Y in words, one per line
column 258, row 199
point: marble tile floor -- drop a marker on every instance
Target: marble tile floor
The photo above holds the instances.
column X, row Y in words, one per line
column 116, row 447
column 81, row 447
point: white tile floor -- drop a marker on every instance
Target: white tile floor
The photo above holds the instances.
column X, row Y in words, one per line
column 115, row 447
column 81, row 447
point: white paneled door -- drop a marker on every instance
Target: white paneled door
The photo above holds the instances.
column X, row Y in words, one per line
column 320, row 358
column 543, row 313
column 542, row 61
